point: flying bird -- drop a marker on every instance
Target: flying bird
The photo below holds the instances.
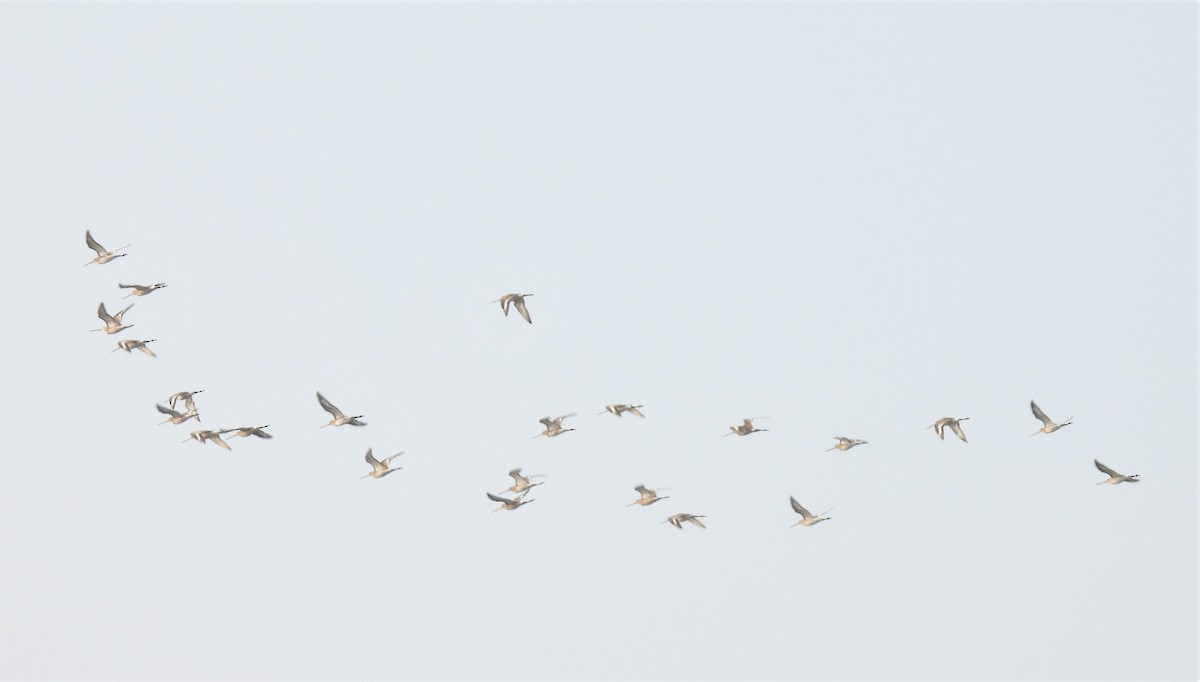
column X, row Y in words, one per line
column 380, row 469
column 806, row 517
column 844, row 443
column 746, row 428
column 648, row 496
column 618, row 409
column 517, row 300
column 102, row 255
column 112, row 323
column 176, row 417
column 140, row 289
column 338, row 418
column 940, row 425
column 554, row 426
column 214, row 436
column 522, row 484
column 1048, row 425
column 128, row 345
column 1113, row 477
column 508, row 504
column 678, row 520
column 186, row 397
column 245, row 431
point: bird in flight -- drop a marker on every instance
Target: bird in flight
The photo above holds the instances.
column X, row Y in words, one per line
column 128, row 345
column 619, row 409
column 554, row 426
column 112, row 323
column 186, row 397
column 521, row 484
column 844, row 443
column 102, row 255
column 141, row 289
column 678, row 520
column 380, row 469
column 940, row 425
column 648, row 496
column 806, row 517
column 338, row 418
column 517, row 300
column 1048, row 424
column 1113, row 477
column 508, row 504
column 214, row 436
column 245, row 431
column 746, row 428
column 175, row 417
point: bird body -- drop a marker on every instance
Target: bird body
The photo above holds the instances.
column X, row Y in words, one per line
column 1113, row 477
column 102, row 255
column 1048, row 425
column 244, row 431
column 940, row 425
column 379, row 469
column 339, row 419
column 844, row 443
column 521, row 483
column 516, row 300
column 807, row 518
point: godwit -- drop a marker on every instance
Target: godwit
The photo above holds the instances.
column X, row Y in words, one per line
column 140, row 289
column 176, row 417
column 678, row 520
column 554, row 426
column 1113, row 477
column 806, row 517
column 380, row 469
column 508, row 504
column 845, row 443
column 521, row 484
column 338, row 418
column 245, row 431
column 517, row 300
column 746, row 428
column 649, row 496
column 953, row 423
column 102, row 255
column 214, row 436
column 618, row 409
column 1049, row 426
column 186, row 397
column 112, row 323
column 128, row 345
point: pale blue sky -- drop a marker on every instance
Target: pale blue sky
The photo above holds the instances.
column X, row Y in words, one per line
column 853, row 219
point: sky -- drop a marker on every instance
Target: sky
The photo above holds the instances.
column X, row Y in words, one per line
column 846, row 219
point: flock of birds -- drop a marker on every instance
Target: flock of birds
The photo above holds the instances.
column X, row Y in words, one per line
column 522, row 484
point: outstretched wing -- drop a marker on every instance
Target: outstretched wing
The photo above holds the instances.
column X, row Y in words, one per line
column 372, row 461
column 520, row 303
column 93, row 244
column 1037, row 412
column 497, row 498
column 957, row 429
column 799, row 509
column 329, row 407
column 166, row 410
column 1105, row 469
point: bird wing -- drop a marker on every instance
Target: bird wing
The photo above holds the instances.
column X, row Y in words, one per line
column 559, row 420
column 548, row 422
column 646, row 492
column 1037, row 412
column 634, row 410
column 142, row 347
column 328, row 406
column 1105, row 469
column 258, row 431
column 516, row 474
column 93, row 244
column 117, row 317
column 372, row 461
column 696, row 520
column 520, row 303
column 497, row 498
column 103, row 315
column 390, row 458
column 166, row 410
column 800, row 509
column 957, row 429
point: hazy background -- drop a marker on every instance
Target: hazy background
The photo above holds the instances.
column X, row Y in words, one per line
column 852, row 219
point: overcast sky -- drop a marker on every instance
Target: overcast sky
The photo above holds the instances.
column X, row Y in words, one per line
column 847, row 219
